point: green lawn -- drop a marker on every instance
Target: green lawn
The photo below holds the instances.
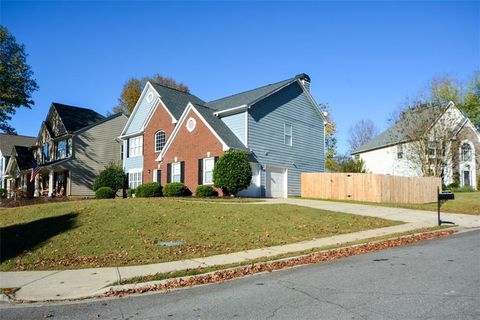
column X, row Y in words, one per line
column 465, row 202
column 95, row 233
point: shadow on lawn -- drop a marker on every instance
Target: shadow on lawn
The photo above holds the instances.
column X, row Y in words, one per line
column 18, row 238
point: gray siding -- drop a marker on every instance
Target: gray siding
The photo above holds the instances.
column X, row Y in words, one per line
column 93, row 149
column 266, row 135
column 236, row 123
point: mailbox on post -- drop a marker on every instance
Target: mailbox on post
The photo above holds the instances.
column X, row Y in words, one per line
column 443, row 197
column 446, row 195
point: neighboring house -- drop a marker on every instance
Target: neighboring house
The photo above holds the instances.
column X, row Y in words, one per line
column 7, row 142
column 390, row 151
column 175, row 136
column 74, row 144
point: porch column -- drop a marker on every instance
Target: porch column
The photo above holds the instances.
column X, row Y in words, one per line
column 50, row 183
column 25, row 183
column 36, row 193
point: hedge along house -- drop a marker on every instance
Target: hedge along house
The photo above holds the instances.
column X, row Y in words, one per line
column 74, row 144
column 279, row 125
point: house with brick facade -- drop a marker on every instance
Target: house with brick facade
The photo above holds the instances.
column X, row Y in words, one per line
column 174, row 136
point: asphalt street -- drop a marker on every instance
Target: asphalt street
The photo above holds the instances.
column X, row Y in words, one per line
column 435, row 279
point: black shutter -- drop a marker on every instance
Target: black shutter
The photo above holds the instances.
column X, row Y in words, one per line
column 169, row 172
column 200, row 172
column 215, row 160
column 182, row 171
column 128, row 148
column 159, row 176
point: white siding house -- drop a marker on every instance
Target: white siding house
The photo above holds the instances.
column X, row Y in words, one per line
column 391, row 152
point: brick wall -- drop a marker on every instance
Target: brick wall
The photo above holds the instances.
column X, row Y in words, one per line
column 189, row 147
column 160, row 120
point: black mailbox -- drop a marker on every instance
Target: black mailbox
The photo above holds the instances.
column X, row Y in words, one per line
column 446, row 196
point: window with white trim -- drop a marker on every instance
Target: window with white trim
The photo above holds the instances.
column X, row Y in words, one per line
column 208, row 164
column 134, row 179
column 287, row 132
column 135, row 146
column 400, row 151
column 176, row 172
column 159, row 140
column 466, row 152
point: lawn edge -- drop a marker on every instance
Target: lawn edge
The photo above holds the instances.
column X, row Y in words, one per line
column 211, row 277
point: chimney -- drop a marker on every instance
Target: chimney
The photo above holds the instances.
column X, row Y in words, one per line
column 305, row 80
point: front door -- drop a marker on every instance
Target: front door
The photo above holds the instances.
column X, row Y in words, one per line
column 466, row 178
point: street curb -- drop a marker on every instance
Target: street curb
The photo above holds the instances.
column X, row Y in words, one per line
column 146, row 287
column 113, row 290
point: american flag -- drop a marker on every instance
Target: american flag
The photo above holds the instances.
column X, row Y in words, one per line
column 35, row 170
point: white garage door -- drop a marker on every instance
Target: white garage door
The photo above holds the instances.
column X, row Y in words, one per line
column 276, row 182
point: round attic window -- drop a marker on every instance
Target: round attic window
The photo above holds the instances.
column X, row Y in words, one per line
column 150, row 97
column 191, row 123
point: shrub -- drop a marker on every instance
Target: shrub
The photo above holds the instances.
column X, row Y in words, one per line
column 104, row 193
column 112, row 176
column 176, row 189
column 463, row 189
column 131, row 193
column 478, row 183
column 3, row 193
column 232, row 172
column 453, row 185
column 148, row 190
column 206, row 191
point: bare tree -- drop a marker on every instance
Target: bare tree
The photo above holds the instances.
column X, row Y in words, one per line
column 361, row 132
column 426, row 132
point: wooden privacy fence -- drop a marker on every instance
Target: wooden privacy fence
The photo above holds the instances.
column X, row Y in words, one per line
column 370, row 187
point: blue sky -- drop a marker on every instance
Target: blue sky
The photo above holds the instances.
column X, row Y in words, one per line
column 364, row 58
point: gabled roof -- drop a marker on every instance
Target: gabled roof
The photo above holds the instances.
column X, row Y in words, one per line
column 226, row 137
column 397, row 134
column 76, row 118
column 24, row 157
column 8, row 141
column 230, row 139
column 251, row 96
column 175, row 100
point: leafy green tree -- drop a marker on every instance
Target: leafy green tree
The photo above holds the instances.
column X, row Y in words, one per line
column 112, row 176
column 466, row 97
column 16, row 79
column 352, row 165
column 232, row 172
column 132, row 89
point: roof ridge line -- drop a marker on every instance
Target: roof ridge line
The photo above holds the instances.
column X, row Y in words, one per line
column 235, row 94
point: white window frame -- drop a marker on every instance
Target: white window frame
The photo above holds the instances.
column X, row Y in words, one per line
column 135, row 146
column 155, row 174
column 400, row 151
column 205, row 170
column 286, row 134
column 462, row 155
column 179, row 165
column 135, row 178
column 156, row 141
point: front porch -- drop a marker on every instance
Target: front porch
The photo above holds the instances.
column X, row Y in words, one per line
column 50, row 182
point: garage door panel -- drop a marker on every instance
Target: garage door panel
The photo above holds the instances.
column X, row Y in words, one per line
column 276, row 182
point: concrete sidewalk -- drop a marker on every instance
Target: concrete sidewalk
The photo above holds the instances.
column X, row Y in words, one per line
column 80, row 283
